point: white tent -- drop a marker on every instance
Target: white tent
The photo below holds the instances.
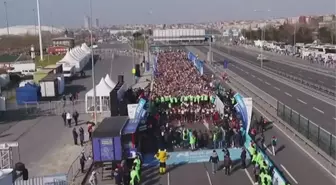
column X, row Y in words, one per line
column 109, row 81
column 102, row 97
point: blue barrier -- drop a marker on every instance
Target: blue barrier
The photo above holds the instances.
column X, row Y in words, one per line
column 190, row 157
column 199, row 64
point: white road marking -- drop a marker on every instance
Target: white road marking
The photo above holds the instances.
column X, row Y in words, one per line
column 298, row 145
column 268, row 150
column 321, row 82
column 267, row 83
column 253, row 76
column 310, row 78
column 302, row 101
column 277, row 88
column 249, row 176
column 209, row 179
column 260, row 79
column 168, row 178
column 289, row 174
column 318, row 110
column 288, row 94
column 246, row 72
column 334, row 119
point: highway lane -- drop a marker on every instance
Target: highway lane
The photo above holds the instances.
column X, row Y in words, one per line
column 310, row 76
column 295, row 164
column 319, row 112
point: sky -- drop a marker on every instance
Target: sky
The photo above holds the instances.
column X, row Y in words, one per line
column 70, row 13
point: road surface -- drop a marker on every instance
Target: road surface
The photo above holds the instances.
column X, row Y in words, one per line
column 294, row 162
column 319, row 112
column 313, row 77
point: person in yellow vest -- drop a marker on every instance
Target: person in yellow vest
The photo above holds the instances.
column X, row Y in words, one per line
column 133, row 71
column 162, row 156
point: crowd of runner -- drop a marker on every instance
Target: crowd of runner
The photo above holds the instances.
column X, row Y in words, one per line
column 180, row 92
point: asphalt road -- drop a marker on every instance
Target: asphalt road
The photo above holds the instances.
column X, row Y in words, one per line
column 294, row 163
column 319, row 112
column 310, row 76
column 199, row 173
column 45, row 144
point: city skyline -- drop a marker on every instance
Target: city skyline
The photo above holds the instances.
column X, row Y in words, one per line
column 70, row 13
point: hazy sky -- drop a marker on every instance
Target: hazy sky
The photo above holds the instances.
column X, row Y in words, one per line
column 70, row 13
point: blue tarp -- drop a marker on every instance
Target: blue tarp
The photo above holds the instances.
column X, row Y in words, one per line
column 132, row 124
column 27, row 93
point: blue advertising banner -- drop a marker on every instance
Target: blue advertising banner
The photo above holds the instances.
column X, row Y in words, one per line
column 199, row 64
column 241, row 103
column 106, row 149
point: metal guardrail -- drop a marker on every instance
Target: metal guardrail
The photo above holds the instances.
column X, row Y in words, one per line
column 317, row 135
column 75, row 168
column 287, row 126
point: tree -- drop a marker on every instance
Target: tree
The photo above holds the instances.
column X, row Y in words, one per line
column 324, row 35
column 137, row 35
column 304, row 35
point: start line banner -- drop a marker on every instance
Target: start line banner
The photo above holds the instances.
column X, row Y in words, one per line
column 196, row 62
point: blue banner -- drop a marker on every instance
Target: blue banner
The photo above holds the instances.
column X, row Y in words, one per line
column 243, row 111
column 199, row 64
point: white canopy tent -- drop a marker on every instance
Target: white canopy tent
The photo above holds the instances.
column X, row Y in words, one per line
column 109, row 81
column 77, row 56
column 102, row 97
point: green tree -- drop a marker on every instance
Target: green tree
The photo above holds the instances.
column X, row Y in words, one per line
column 304, row 35
column 324, row 35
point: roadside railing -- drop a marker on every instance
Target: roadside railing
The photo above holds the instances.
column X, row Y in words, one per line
column 317, row 135
column 74, row 171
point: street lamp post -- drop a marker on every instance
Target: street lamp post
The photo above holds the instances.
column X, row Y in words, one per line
column 262, row 38
column 7, row 25
column 93, row 67
column 39, row 28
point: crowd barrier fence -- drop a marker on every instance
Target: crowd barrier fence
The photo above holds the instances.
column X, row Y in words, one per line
column 314, row 133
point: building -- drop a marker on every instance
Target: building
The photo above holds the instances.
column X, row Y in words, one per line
column 61, row 45
column 97, row 23
column 87, row 22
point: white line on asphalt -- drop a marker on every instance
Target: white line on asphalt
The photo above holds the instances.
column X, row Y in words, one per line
column 260, row 79
column 268, row 150
column 168, row 178
column 334, row 119
column 253, row 76
column 310, row 78
column 246, row 72
column 289, row 174
column 298, row 145
column 288, row 94
column 302, row 101
column 249, row 176
column 267, row 83
column 277, row 88
column 209, row 179
column 318, row 110
column 321, row 82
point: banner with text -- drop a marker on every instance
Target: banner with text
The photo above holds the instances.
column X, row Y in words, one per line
column 249, row 105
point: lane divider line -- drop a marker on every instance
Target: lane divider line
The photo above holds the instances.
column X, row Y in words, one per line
column 268, row 150
column 253, row 76
column 277, row 88
column 267, row 83
column 249, row 176
column 168, row 178
column 301, row 101
column 289, row 174
column 288, row 94
column 208, row 175
column 318, row 110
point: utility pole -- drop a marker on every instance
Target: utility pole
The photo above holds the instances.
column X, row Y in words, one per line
column 93, row 68
column 39, row 28
column 34, row 17
column 7, row 25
